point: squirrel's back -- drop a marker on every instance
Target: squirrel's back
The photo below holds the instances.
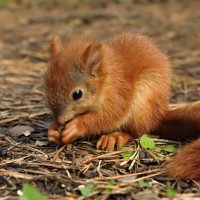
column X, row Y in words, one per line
column 146, row 70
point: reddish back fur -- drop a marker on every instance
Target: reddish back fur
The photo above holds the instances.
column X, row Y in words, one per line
column 138, row 69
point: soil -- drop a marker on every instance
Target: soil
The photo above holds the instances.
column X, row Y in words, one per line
column 60, row 172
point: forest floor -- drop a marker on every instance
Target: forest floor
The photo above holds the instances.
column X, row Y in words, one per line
column 62, row 172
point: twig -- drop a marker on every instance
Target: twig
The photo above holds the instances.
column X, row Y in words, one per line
column 141, row 178
column 108, row 155
column 123, row 176
column 15, row 174
column 25, row 116
column 58, row 152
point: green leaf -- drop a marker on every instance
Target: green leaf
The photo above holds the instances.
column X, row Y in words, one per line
column 111, row 182
column 171, row 192
column 170, row 148
column 127, row 154
column 157, row 149
column 31, row 193
column 87, row 190
column 143, row 184
column 147, row 142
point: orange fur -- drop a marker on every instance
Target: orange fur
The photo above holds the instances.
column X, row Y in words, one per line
column 186, row 164
column 125, row 85
column 183, row 123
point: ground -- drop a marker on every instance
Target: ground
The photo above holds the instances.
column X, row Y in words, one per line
column 60, row 172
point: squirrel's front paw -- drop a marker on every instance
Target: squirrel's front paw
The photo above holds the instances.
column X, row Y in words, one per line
column 53, row 133
column 72, row 131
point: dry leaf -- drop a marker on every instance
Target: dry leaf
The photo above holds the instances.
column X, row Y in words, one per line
column 19, row 130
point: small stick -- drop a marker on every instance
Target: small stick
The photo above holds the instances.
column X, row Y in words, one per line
column 102, row 156
column 58, row 152
column 15, row 174
column 124, row 176
column 141, row 178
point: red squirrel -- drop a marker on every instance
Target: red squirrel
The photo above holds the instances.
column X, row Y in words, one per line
column 118, row 88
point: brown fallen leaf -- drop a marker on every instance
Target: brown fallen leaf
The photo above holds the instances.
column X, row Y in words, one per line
column 19, row 130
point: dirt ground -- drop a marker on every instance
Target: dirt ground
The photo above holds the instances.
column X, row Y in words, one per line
column 25, row 154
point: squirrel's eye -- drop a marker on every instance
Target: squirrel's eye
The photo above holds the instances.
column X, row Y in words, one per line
column 77, row 95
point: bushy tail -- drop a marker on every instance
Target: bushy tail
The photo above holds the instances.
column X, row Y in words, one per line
column 182, row 122
column 186, row 164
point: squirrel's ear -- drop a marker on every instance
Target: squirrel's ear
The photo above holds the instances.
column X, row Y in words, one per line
column 93, row 57
column 55, row 46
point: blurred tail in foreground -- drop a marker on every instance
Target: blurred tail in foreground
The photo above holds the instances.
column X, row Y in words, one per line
column 183, row 122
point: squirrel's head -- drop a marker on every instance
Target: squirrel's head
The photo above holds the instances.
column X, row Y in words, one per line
column 74, row 78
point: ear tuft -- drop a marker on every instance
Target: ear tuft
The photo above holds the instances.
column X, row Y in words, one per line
column 55, row 46
column 92, row 57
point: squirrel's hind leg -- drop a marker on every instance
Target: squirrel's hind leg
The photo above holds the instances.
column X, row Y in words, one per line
column 113, row 140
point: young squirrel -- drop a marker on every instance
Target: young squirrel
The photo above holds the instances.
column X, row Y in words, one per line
column 118, row 88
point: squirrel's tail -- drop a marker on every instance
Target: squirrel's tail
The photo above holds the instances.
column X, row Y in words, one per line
column 183, row 122
column 186, row 164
